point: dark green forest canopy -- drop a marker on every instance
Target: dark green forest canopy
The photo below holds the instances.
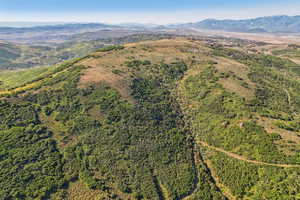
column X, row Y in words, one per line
column 57, row 133
column 135, row 147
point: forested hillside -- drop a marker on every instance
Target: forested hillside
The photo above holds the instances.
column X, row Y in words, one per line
column 169, row 119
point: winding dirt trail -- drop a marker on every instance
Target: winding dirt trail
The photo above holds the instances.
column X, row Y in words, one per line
column 288, row 95
column 233, row 155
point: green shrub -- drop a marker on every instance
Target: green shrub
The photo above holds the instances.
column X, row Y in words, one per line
column 110, row 48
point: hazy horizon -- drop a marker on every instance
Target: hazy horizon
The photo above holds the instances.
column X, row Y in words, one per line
column 133, row 11
column 49, row 23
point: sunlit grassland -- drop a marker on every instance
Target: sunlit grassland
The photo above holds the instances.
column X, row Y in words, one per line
column 12, row 79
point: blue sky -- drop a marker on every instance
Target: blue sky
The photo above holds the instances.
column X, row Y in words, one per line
column 149, row 11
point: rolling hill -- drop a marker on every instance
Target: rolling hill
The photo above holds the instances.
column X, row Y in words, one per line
column 52, row 35
column 272, row 24
column 169, row 119
column 17, row 56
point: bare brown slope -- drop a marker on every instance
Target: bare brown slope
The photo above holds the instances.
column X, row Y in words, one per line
column 109, row 67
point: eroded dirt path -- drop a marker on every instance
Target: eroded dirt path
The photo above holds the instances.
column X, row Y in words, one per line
column 236, row 156
column 196, row 160
column 224, row 189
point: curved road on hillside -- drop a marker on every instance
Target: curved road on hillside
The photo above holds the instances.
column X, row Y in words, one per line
column 236, row 156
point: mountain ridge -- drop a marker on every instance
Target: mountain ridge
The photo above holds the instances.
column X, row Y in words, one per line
column 269, row 24
column 272, row 24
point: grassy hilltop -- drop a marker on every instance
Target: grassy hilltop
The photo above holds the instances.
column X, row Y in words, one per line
column 177, row 118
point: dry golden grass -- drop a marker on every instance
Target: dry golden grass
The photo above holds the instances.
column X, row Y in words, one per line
column 259, row 37
column 234, row 86
column 101, row 66
column 96, row 74
column 289, row 139
column 295, row 60
column 79, row 191
column 226, row 65
column 269, row 48
column 270, row 127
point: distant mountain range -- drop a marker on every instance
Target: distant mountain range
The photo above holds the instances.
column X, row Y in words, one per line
column 60, row 27
column 90, row 31
column 53, row 33
column 19, row 24
column 273, row 24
